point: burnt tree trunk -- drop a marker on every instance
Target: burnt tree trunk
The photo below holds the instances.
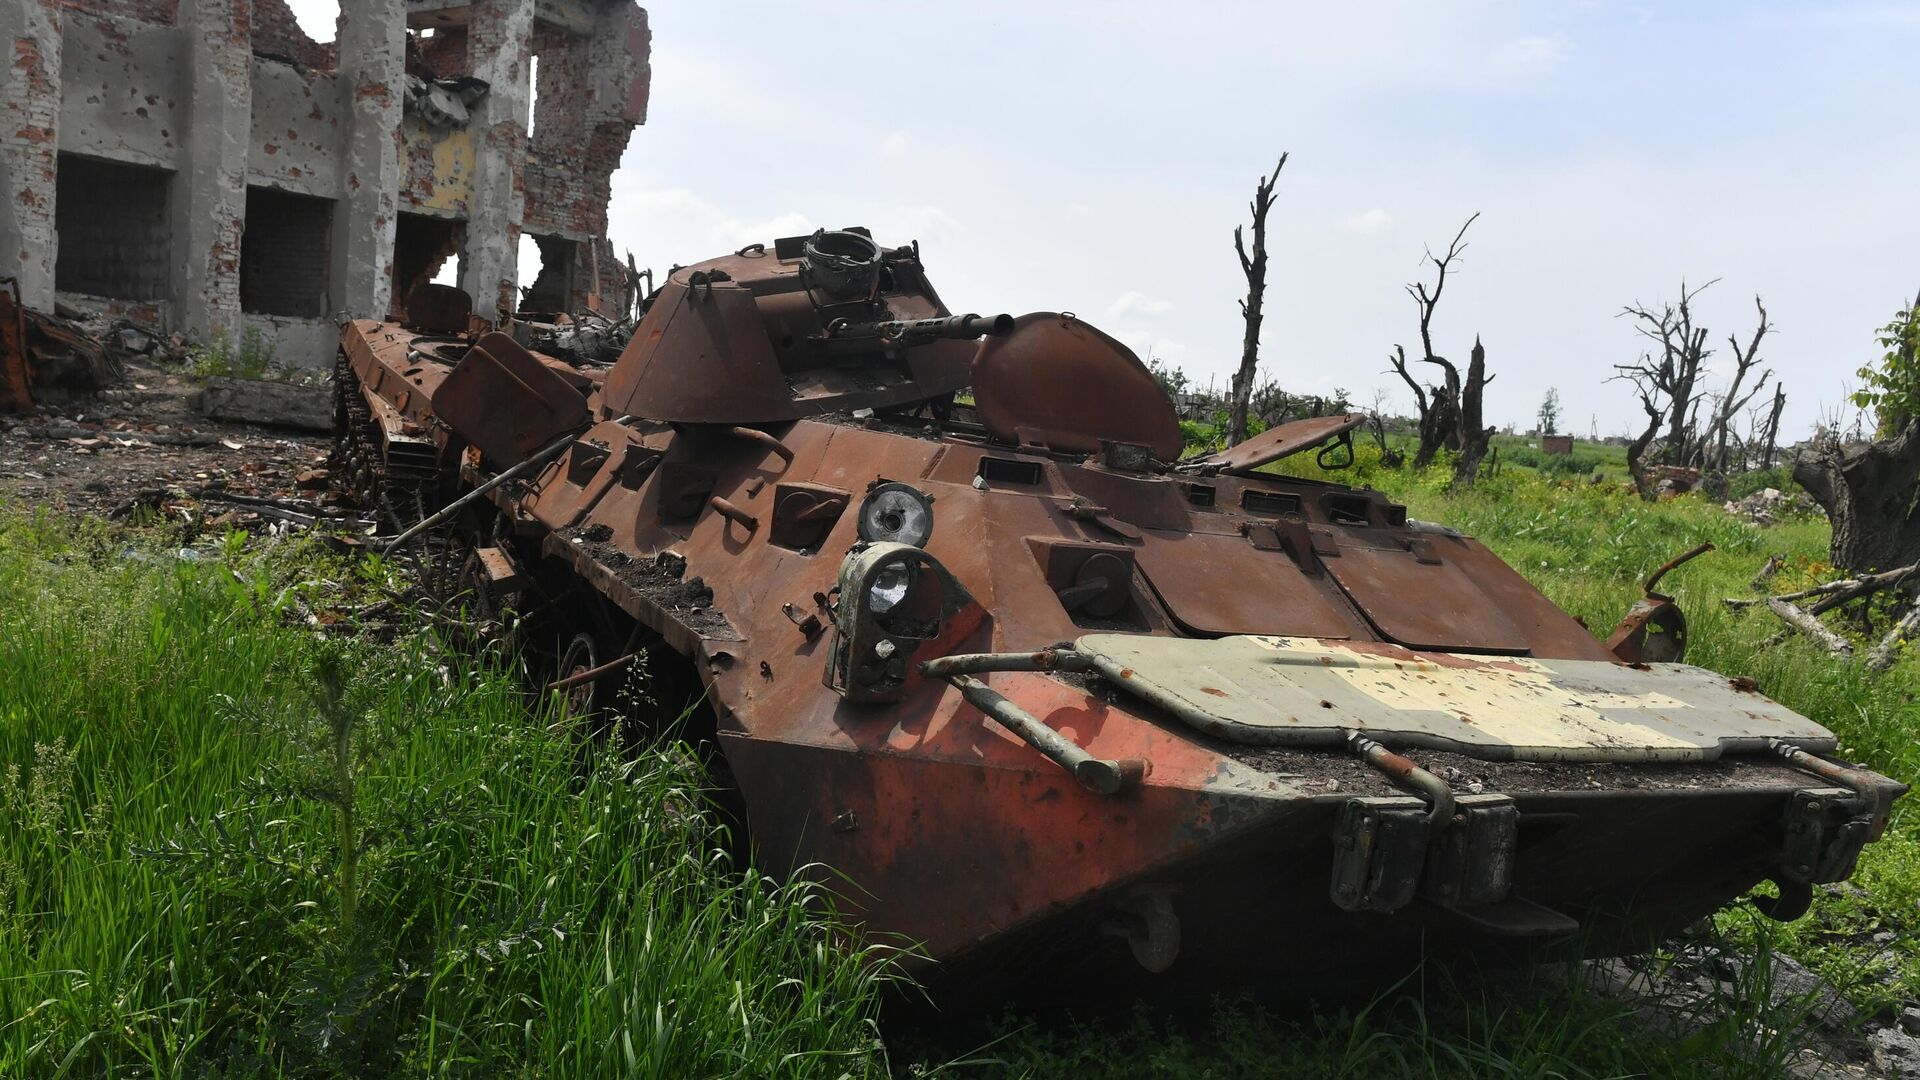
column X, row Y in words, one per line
column 1773, row 425
column 1871, row 494
column 1436, row 424
column 1637, row 449
column 1473, row 436
column 1254, row 266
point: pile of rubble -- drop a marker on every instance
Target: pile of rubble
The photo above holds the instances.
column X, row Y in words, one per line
column 1770, row 506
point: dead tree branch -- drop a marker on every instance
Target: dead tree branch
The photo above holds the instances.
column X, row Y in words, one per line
column 1441, row 407
column 1254, row 266
column 1881, row 656
column 1799, row 619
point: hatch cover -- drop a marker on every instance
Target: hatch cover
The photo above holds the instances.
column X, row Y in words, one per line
column 1308, row 692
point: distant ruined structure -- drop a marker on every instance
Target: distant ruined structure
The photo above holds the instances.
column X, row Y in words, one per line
column 205, row 166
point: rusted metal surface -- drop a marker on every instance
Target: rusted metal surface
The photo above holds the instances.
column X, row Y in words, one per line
column 504, row 401
column 1057, row 382
column 439, row 309
column 16, row 377
column 750, row 339
column 1654, row 630
column 932, row 731
column 1276, row 443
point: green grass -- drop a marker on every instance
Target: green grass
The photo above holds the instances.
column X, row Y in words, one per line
column 176, row 760
column 184, row 783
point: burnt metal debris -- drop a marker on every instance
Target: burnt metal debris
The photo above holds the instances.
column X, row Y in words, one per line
column 1045, row 694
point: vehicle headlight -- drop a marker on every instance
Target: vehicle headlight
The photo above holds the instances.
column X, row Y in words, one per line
column 895, row 513
column 894, row 599
column 889, row 586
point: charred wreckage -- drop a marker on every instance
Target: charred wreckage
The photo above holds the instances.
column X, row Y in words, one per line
column 965, row 628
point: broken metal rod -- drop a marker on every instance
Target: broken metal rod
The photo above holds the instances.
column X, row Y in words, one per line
column 594, row 674
column 1691, row 553
column 1099, row 775
column 540, row 457
column 1830, row 771
column 946, row 667
column 1403, row 770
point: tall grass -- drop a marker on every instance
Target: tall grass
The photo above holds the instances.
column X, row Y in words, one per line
column 230, row 849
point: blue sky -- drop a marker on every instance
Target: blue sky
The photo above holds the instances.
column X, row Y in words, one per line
column 1095, row 158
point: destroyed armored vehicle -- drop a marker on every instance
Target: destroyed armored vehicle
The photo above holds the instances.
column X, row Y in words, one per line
column 966, row 628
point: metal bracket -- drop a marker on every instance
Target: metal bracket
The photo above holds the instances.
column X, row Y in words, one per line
column 1379, row 851
column 1825, row 830
column 1471, row 861
column 1387, row 851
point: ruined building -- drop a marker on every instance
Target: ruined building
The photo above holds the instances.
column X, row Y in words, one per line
column 205, row 166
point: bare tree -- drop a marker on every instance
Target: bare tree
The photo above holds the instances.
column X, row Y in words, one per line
column 1377, row 426
column 1773, row 425
column 1712, row 450
column 1254, row 266
column 1440, row 406
column 1672, row 376
column 1474, row 438
column 1654, row 403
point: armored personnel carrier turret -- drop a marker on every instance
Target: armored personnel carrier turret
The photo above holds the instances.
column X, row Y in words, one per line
column 966, row 628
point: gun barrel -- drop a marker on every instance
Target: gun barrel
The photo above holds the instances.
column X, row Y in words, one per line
column 961, row 326
column 917, row 331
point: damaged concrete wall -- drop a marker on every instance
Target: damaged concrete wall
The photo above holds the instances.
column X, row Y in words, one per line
column 32, row 36
column 593, row 91
column 122, row 90
column 224, row 96
column 295, row 144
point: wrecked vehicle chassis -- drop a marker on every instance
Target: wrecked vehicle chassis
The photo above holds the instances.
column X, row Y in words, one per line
column 1054, row 702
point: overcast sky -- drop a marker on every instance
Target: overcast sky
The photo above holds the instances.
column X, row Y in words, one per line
column 1095, row 158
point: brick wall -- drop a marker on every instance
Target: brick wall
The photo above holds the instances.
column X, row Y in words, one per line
column 592, row 92
column 275, row 33
column 442, row 56
column 115, row 239
column 421, row 246
column 29, row 125
column 153, row 11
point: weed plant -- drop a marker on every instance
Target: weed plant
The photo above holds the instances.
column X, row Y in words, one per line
column 229, row 849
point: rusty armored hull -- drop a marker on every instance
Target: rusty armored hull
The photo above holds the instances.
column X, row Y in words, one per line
column 967, row 630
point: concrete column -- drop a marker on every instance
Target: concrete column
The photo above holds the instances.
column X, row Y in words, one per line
column 210, row 191
column 372, row 69
column 30, row 40
column 499, row 50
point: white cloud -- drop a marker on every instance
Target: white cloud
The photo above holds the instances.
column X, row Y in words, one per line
column 1371, row 223
column 897, row 146
column 1534, row 54
column 1134, row 302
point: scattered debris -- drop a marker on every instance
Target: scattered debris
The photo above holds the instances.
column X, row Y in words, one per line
column 142, row 444
column 43, row 355
column 1770, row 506
column 444, row 103
column 1672, row 479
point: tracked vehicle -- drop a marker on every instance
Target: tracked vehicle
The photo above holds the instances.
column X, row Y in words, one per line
column 1048, row 698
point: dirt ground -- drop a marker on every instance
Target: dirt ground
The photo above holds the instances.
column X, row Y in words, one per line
column 141, row 443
